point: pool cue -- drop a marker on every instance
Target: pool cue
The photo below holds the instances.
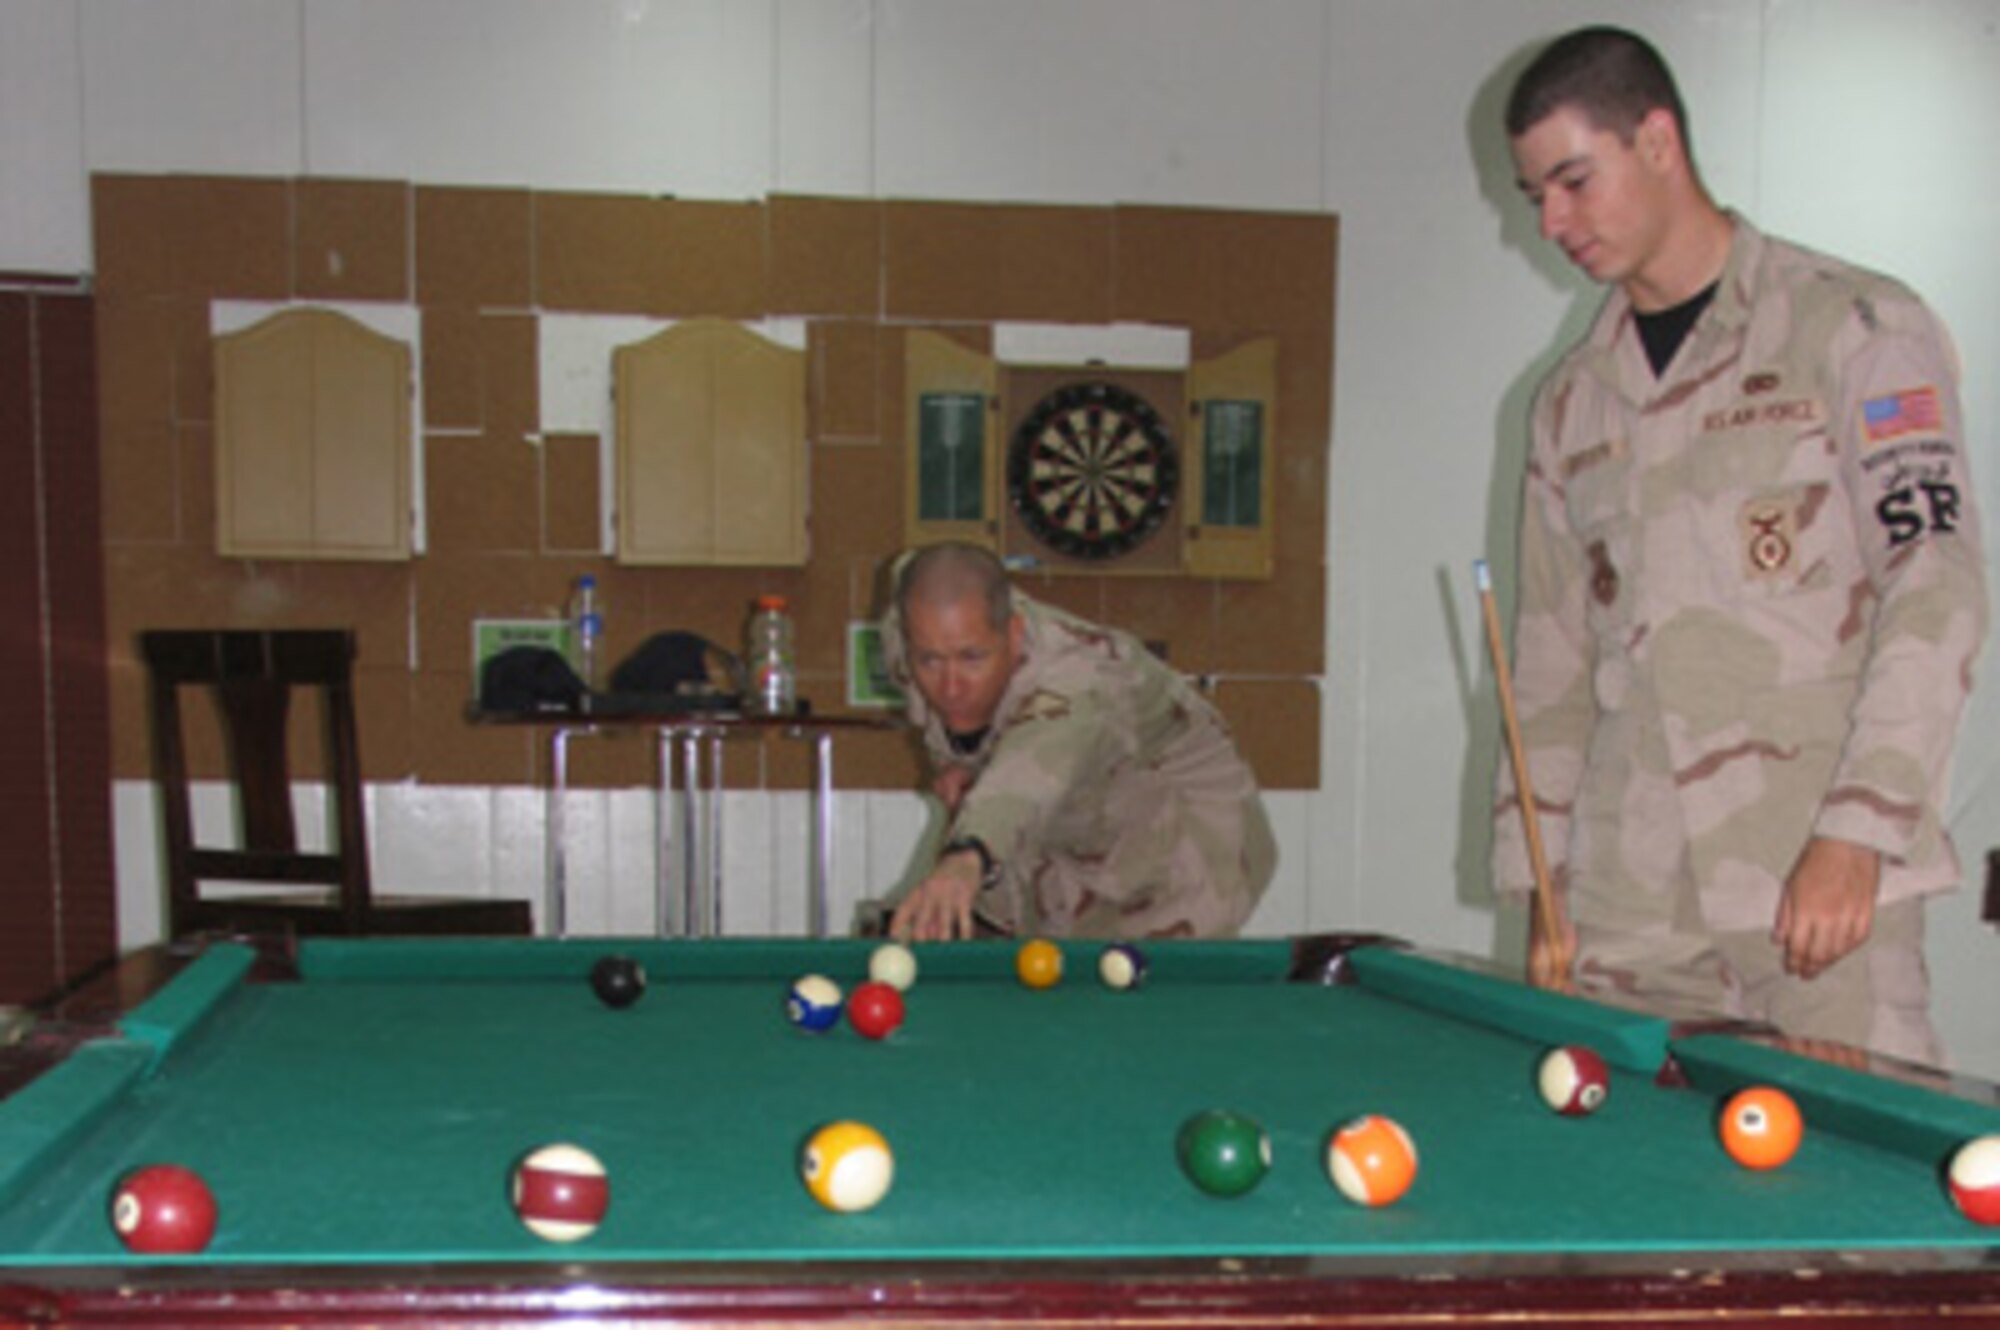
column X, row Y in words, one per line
column 1524, row 790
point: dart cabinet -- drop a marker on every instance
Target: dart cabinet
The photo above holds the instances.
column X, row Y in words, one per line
column 1094, row 468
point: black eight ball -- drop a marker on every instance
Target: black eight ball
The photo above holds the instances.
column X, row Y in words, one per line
column 618, row 981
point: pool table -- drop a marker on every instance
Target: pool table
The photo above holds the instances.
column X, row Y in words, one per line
column 357, row 1107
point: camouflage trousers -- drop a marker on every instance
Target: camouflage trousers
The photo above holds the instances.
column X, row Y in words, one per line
column 1642, row 939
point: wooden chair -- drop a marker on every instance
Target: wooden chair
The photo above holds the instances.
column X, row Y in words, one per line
column 253, row 675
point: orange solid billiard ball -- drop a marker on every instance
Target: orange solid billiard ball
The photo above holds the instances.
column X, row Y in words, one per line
column 1039, row 963
column 1761, row 1127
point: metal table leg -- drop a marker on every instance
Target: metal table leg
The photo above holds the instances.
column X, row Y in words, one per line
column 663, row 828
column 714, row 848
column 690, row 789
column 555, row 901
column 822, row 833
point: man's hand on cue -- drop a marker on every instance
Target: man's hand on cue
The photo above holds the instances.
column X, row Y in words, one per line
column 1829, row 904
column 939, row 908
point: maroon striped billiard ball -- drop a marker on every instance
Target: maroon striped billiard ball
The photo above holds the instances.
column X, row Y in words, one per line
column 561, row 1192
column 1573, row 1080
column 163, row 1210
column 1974, row 1176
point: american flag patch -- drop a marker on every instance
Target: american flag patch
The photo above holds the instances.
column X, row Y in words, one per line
column 1901, row 413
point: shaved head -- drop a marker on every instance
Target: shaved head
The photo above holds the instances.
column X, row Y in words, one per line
column 946, row 574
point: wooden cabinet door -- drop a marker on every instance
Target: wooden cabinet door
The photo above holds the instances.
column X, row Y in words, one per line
column 312, row 419
column 711, row 448
column 1230, row 465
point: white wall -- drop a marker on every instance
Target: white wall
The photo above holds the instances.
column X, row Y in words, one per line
column 1849, row 124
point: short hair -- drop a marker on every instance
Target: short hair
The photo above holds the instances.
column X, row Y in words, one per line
column 1614, row 77
column 947, row 573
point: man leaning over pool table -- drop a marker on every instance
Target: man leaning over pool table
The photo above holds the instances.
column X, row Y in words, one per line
column 1092, row 791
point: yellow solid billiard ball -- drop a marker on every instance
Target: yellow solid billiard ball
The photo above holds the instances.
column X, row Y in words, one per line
column 1039, row 963
column 847, row 1166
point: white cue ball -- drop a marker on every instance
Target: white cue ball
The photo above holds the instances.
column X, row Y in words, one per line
column 893, row 964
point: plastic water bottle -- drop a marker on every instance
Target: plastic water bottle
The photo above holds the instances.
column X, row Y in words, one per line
column 773, row 681
column 586, row 631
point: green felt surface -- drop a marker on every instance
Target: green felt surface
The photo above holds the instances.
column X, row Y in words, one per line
column 372, row 1112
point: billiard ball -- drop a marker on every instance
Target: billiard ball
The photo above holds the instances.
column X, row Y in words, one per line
column 847, row 1166
column 1121, row 966
column 1975, row 1179
column 1372, row 1160
column 893, row 964
column 163, row 1210
column 1573, row 1080
column 561, row 1192
column 1761, row 1127
column 1039, row 963
column 618, row 981
column 814, row 1003
column 875, row 1009
column 1223, row 1152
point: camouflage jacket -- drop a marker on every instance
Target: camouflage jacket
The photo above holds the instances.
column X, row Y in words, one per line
column 1773, row 547
column 1108, row 791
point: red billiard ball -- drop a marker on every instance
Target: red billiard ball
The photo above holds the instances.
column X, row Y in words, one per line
column 164, row 1210
column 875, row 1009
column 1573, row 1080
column 561, row 1192
column 1975, row 1179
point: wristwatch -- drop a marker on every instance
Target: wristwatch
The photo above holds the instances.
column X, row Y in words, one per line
column 989, row 872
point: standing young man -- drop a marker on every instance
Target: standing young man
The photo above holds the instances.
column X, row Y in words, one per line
column 1751, row 589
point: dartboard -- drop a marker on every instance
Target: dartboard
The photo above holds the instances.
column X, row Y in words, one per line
column 1091, row 471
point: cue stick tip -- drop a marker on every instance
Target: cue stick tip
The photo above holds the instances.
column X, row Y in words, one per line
column 1480, row 576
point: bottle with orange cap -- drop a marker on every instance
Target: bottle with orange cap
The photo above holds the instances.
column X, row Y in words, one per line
column 768, row 657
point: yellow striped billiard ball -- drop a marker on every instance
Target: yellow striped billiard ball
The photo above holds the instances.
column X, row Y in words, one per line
column 847, row 1166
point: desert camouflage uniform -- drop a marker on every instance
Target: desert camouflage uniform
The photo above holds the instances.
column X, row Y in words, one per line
column 1108, row 791
column 1751, row 595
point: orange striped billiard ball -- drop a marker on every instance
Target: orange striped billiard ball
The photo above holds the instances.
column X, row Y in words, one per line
column 1372, row 1160
column 1761, row 1127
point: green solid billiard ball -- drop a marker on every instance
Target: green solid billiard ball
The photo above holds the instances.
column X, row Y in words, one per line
column 1224, row 1153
